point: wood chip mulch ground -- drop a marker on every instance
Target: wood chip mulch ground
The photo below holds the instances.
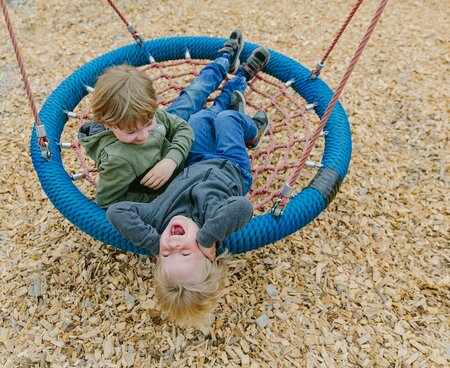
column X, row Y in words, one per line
column 366, row 284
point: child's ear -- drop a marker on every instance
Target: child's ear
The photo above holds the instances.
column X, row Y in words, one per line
column 209, row 253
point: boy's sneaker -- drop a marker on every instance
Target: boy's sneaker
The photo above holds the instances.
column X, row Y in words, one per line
column 261, row 120
column 237, row 102
column 233, row 47
column 255, row 62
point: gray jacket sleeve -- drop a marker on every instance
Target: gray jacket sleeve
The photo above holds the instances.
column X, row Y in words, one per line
column 128, row 218
column 234, row 214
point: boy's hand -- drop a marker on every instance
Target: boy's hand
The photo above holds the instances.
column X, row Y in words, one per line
column 159, row 174
column 209, row 253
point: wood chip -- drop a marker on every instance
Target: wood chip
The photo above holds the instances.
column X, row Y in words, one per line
column 364, row 284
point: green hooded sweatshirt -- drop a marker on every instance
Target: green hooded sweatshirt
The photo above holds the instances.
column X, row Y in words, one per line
column 120, row 164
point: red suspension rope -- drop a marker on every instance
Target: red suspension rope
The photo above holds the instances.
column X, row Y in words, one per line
column 312, row 141
column 316, row 71
column 341, row 31
column 40, row 129
column 129, row 26
column 118, row 12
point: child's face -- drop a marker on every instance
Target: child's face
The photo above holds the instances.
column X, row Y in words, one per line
column 135, row 136
column 179, row 253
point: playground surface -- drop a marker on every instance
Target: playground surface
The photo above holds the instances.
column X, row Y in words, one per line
column 366, row 284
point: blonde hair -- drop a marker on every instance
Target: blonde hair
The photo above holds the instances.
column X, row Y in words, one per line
column 192, row 304
column 123, row 97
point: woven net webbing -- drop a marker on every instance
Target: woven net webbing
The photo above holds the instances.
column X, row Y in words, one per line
column 278, row 155
column 282, row 147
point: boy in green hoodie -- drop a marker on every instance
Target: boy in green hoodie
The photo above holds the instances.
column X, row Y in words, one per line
column 138, row 147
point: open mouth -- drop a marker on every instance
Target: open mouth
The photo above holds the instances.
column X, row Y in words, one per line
column 177, row 230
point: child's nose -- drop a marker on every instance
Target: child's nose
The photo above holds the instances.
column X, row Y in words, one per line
column 174, row 245
column 143, row 134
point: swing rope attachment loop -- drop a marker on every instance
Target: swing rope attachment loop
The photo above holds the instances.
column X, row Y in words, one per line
column 320, row 64
column 286, row 193
column 316, row 71
column 129, row 26
column 135, row 35
column 40, row 129
column 42, row 135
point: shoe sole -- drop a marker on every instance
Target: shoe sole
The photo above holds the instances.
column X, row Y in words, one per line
column 266, row 55
column 238, row 61
column 262, row 135
column 243, row 98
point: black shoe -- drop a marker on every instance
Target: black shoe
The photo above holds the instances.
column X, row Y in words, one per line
column 255, row 63
column 233, row 47
column 261, row 120
column 237, row 102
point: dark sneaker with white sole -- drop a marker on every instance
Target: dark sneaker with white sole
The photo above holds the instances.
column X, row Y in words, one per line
column 261, row 119
column 255, row 62
column 233, row 47
column 237, row 102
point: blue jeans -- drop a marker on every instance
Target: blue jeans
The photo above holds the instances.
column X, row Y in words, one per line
column 218, row 133
column 222, row 135
column 193, row 97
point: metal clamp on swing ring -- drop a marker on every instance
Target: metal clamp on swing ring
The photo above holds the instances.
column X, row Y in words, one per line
column 287, row 192
column 316, row 71
column 45, row 149
column 45, row 152
column 277, row 208
column 135, row 34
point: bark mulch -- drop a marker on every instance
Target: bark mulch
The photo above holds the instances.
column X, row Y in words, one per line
column 366, row 284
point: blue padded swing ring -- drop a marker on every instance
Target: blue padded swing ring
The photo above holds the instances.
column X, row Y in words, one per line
column 262, row 229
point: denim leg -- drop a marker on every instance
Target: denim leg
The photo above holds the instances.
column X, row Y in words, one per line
column 232, row 130
column 193, row 97
column 202, row 123
column 237, row 83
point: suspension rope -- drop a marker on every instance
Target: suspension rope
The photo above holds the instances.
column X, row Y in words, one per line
column 316, row 71
column 40, row 129
column 129, row 26
column 313, row 138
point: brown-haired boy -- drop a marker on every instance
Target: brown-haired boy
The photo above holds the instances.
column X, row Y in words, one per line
column 132, row 137
column 137, row 146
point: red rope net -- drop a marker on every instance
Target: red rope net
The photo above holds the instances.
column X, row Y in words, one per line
column 281, row 148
